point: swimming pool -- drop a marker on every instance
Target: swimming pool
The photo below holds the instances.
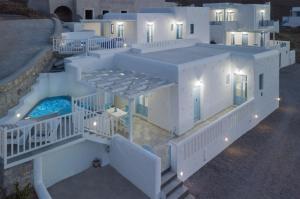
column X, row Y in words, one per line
column 53, row 105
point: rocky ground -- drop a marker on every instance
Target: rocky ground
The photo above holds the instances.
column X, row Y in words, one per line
column 264, row 163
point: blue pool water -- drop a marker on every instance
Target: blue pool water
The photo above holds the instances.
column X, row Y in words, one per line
column 53, row 105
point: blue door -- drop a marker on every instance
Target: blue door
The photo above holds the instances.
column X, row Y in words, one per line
column 196, row 96
column 245, row 39
column 141, row 106
column 240, row 89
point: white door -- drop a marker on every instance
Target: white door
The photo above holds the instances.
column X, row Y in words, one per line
column 150, row 32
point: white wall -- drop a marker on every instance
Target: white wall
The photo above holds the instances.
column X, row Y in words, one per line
column 139, row 166
column 163, row 108
column 71, row 160
column 215, row 95
column 85, row 34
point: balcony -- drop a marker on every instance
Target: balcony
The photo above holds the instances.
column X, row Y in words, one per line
column 270, row 25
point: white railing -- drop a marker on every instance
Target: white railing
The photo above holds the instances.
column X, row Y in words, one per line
column 38, row 135
column 93, row 103
column 277, row 44
column 77, row 46
column 192, row 152
column 97, row 121
column 99, row 124
column 166, row 44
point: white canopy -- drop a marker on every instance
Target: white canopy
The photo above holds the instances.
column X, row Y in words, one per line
column 129, row 84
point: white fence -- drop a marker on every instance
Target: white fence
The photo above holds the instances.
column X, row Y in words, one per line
column 38, row 135
column 193, row 152
column 277, row 44
column 96, row 121
column 167, row 44
column 77, row 46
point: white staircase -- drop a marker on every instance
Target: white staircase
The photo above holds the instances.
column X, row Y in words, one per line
column 172, row 187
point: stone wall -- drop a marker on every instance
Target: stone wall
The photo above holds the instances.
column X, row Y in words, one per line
column 19, row 84
column 21, row 174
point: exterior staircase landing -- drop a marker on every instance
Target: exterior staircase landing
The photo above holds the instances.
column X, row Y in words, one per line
column 172, row 187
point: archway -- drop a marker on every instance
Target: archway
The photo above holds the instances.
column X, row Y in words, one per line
column 64, row 13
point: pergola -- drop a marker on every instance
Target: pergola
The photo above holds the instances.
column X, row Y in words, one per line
column 126, row 84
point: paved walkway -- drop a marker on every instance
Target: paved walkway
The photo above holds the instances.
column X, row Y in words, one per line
column 98, row 183
column 264, row 163
column 20, row 40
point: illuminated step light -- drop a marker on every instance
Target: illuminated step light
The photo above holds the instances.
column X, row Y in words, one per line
column 181, row 173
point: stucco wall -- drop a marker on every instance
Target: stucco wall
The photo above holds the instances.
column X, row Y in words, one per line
column 72, row 160
column 139, row 166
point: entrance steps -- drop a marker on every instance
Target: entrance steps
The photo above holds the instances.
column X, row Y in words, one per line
column 172, row 187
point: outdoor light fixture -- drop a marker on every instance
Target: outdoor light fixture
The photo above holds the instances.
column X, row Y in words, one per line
column 18, row 115
column 278, row 99
column 255, row 116
column 94, row 123
column 181, row 173
column 239, row 72
column 226, row 139
column 125, row 45
column 198, row 83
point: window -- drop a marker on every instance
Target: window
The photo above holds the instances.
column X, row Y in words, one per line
column 192, row 29
column 219, row 16
column 88, row 14
column 120, row 30
column 105, row 11
column 232, row 39
column 112, row 28
column 150, row 32
column 230, row 16
column 179, row 31
column 261, row 81
column 123, row 11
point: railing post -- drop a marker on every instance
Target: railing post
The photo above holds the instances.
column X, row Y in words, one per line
column 5, row 147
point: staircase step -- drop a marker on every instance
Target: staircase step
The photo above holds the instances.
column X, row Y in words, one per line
column 169, row 188
column 180, row 193
column 167, row 177
column 190, row 196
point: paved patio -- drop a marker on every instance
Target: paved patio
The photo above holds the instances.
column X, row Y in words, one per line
column 264, row 163
column 98, row 183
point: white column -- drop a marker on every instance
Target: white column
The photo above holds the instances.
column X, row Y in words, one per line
column 130, row 115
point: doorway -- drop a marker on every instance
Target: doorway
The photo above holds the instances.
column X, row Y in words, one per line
column 240, row 89
column 197, row 107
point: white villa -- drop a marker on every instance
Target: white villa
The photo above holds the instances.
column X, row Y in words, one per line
column 247, row 25
column 293, row 20
column 156, row 105
column 147, row 26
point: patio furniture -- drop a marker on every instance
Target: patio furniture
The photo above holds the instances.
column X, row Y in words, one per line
column 13, row 138
column 45, row 132
column 117, row 114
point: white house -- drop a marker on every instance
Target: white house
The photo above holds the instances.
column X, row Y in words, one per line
column 294, row 19
column 183, row 101
column 247, row 25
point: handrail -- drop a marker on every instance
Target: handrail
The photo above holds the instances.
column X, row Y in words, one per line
column 77, row 46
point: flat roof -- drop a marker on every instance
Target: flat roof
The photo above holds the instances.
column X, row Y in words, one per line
column 198, row 52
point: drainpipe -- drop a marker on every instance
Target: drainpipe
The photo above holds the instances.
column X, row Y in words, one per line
column 39, row 186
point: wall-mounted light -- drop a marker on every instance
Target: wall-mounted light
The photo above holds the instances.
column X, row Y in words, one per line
column 198, row 83
column 226, row 139
column 125, row 45
column 181, row 174
column 120, row 23
column 239, row 72
column 94, row 123
column 255, row 116
column 18, row 115
column 262, row 11
column 278, row 99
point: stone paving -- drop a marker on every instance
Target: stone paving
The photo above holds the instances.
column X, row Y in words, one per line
column 265, row 162
column 20, row 41
column 97, row 183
